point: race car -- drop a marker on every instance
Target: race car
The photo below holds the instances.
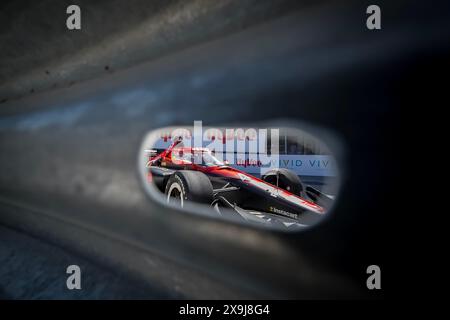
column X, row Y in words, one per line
column 195, row 174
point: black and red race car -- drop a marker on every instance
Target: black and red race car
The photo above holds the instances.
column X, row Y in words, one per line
column 195, row 174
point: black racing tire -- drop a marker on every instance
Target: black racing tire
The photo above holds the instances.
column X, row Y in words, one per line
column 287, row 180
column 186, row 185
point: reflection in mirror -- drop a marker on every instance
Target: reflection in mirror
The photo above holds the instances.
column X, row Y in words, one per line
column 271, row 176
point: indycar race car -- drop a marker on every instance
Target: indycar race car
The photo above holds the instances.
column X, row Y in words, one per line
column 195, row 174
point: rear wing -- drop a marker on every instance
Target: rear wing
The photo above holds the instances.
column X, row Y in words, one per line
column 151, row 154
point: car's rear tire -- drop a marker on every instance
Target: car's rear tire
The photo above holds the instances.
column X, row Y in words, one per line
column 189, row 186
column 286, row 180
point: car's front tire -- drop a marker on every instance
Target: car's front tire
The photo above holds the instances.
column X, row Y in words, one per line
column 192, row 186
